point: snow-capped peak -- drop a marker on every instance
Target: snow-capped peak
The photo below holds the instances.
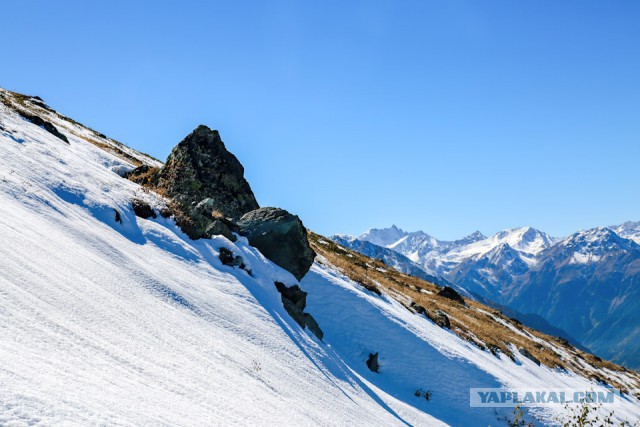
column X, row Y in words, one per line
column 383, row 236
column 628, row 230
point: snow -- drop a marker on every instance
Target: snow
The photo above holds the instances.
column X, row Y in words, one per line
column 525, row 239
column 136, row 324
column 628, row 230
column 415, row 353
column 583, row 258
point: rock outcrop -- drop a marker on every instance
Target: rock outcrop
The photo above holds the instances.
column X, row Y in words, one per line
column 294, row 301
column 199, row 168
column 372, row 362
column 38, row 121
column 210, row 196
column 281, row 237
column 440, row 318
column 142, row 209
column 452, row 294
column 523, row 351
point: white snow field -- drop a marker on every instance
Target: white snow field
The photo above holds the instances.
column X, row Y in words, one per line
column 133, row 323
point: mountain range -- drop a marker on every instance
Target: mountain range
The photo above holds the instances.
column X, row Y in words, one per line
column 140, row 292
column 586, row 284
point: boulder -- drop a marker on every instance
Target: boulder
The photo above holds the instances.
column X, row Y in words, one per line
column 440, row 318
column 523, row 351
column 281, row 237
column 313, row 326
column 418, row 308
column 200, row 168
column 142, row 209
column 38, row 121
column 372, row 362
column 294, row 301
column 227, row 257
column 452, row 294
column 206, row 221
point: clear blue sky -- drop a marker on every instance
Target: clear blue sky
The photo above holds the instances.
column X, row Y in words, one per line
column 447, row 116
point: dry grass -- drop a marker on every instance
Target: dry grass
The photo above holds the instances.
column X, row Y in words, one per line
column 479, row 324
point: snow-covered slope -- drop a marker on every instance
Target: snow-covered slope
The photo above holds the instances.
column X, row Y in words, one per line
column 132, row 323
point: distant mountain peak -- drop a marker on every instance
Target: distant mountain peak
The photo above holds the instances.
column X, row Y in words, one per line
column 628, row 230
column 383, row 236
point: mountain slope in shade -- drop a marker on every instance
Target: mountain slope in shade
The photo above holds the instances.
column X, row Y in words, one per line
column 589, row 285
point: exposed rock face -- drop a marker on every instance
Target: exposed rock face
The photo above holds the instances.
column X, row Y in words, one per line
column 372, row 362
column 209, row 192
column 523, row 351
column 439, row 318
column 451, row 293
column 38, row 121
column 418, row 308
column 200, row 167
column 229, row 258
column 142, row 209
column 207, row 221
column 294, row 301
column 281, row 237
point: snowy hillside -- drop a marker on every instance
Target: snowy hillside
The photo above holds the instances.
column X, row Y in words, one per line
column 108, row 318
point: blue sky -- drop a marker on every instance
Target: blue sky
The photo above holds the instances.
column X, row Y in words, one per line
column 448, row 116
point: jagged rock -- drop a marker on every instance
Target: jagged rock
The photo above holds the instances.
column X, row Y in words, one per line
column 229, row 258
column 142, row 209
column 294, row 301
column 452, row 294
column 207, row 221
column 313, row 326
column 281, row 237
column 372, row 362
column 439, row 318
column 523, row 351
column 38, row 121
column 219, row 228
column 294, row 312
column 418, row 308
column 199, row 168
column 294, row 294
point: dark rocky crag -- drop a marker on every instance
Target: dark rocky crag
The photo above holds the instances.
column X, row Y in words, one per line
column 281, row 237
column 199, row 168
column 210, row 196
